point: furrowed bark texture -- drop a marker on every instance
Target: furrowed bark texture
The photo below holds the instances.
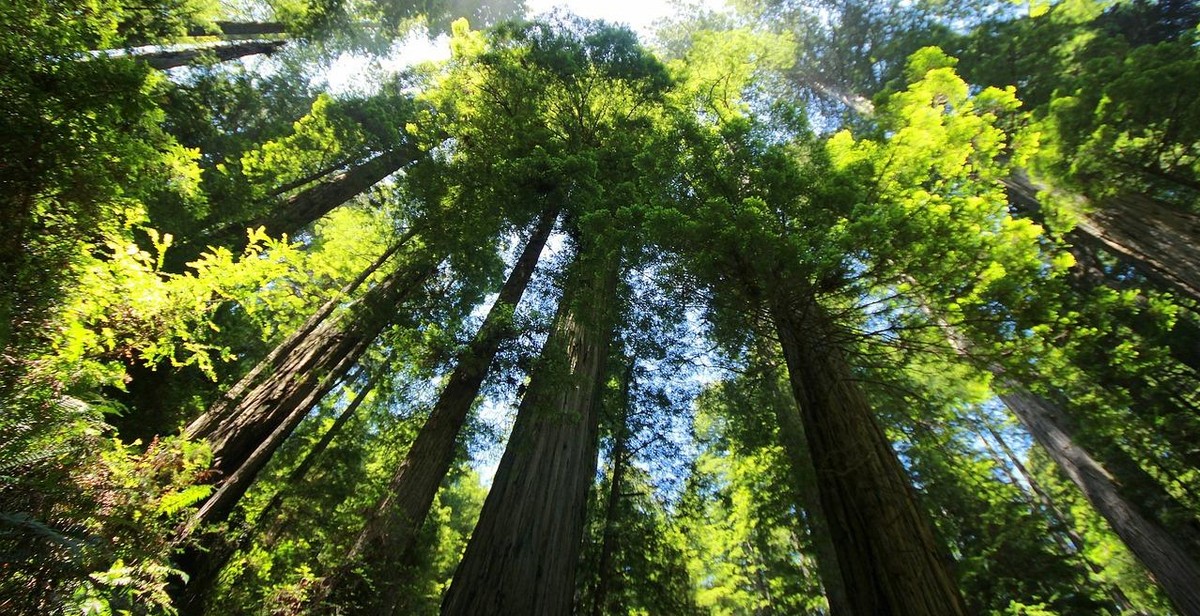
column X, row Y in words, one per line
column 165, row 60
column 522, row 556
column 203, row 567
column 889, row 560
column 227, row 405
column 389, row 535
column 1174, row 570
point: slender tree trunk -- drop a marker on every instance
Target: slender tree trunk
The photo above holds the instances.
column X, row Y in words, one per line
column 226, row 407
column 608, row 541
column 890, row 562
column 304, row 208
column 522, row 556
column 241, row 29
column 165, row 60
column 308, row 179
column 390, row 532
column 760, row 579
column 204, row 567
column 1174, row 570
column 298, row 474
column 804, row 476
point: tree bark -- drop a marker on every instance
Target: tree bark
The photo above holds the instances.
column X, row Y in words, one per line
column 165, row 60
column 390, row 532
column 1170, row 566
column 889, row 560
column 1058, row 516
column 522, row 556
column 244, row 440
column 226, row 406
column 308, row 179
column 204, row 567
column 300, row 210
column 247, row 429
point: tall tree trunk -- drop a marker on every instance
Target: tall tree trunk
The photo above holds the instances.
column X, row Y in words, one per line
column 390, row 532
column 227, row 406
column 245, row 430
column 244, row 440
column 308, row 179
column 240, row 29
column 522, row 556
column 889, row 559
column 608, row 540
column 804, row 476
column 203, row 567
column 1174, row 570
column 300, row 210
column 1160, row 242
column 165, row 60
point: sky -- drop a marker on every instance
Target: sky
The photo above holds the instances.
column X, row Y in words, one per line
column 637, row 14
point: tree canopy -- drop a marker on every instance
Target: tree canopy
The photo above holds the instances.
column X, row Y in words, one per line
column 791, row 306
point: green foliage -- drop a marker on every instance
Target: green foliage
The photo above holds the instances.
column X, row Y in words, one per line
column 740, row 522
column 102, row 531
column 1120, row 568
column 703, row 174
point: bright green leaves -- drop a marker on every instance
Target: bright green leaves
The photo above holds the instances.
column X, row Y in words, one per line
column 935, row 210
column 124, row 310
column 464, row 42
column 740, row 521
column 320, row 140
column 140, row 492
column 720, row 67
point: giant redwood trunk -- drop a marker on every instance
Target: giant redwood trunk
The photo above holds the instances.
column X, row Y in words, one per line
column 1078, row 548
column 204, row 566
column 165, row 60
column 248, row 425
column 389, row 535
column 889, row 560
column 1174, row 569
column 522, row 556
column 1163, row 243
